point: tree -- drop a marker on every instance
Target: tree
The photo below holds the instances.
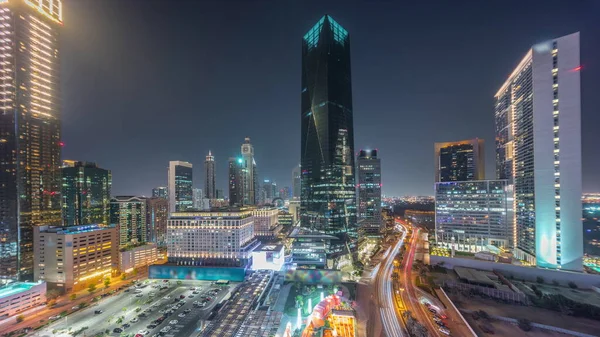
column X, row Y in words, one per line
column 539, row 280
column 123, row 277
column 135, row 271
column 572, row 285
column 524, row 324
column 20, row 318
column 73, row 296
column 91, row 288
column 51, row 303
column 555, row 282
column 299, row 301
column 483, row 314
column 106, row 283
column 52, row 294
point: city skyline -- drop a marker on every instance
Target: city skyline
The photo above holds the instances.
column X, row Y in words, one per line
column 406, row 72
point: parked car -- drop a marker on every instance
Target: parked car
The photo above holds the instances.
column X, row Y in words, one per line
column 445, row 331
column 125, row 326
column 98, row 312
column 181, row 315
column 117, row 330
column 174, row 321
column 135, row 320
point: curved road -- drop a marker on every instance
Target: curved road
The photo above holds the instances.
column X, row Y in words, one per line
column 384, row 290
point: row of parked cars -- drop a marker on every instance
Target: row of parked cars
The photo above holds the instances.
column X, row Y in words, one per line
column 438, row 319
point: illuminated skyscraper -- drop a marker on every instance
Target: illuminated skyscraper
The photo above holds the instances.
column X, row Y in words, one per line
column 296, row 182
column 86, row 194
column 250, row 181
column 460, row 161
column 538, row 149
column 210, row 185
column 369, row 192
column 236, row 181
column 30, row 113
column 327, row 142
column 129, row 214
column 181, row 195
column 157, row 213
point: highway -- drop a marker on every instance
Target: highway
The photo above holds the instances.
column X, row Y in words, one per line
column 410, row 297
column 390, row 316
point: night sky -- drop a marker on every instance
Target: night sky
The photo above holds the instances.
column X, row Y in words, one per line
column 148, row 81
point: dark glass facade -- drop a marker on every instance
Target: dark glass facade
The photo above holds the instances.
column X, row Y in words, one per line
column 30, row 129
column 86, row 194
column 460, row 161
column 456, row 163
column 328, row 195
column 184, row 194
column 235, row 183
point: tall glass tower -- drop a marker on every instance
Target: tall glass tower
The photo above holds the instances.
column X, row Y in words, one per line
column 328, row 195
column 181, row 194
column 209, row 177
column 86, row 194
column 30, row 115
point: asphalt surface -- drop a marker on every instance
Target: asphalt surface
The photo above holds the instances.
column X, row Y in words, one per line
column 126, row 303
column 390, row 316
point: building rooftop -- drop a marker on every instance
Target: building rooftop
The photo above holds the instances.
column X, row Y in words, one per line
column 76, row 229
column 300, row 232
column 269, row 248
column 15, row 288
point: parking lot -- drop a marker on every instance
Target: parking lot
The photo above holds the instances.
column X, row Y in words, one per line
column 152, row 308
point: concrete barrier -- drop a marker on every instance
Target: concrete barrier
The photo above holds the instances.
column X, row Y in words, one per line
column 456, row 309
column 582, row 280
column 536, row 325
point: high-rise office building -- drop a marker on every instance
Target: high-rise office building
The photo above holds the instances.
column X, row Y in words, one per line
column 269, row 191
column 460, row 161
column 328, row 196
column 474, row 215
column 85, row 194
column 369, row 193
column 157, row 213
column 296, row 182
column 285, row 193
column 30, row 129
column 198, row 196
column 181, row 195
column 538, row 149
column 220, row 194
column 249, row 164
column 236, row 181
column 210, row 182
column 160, row 192
column 129, row 214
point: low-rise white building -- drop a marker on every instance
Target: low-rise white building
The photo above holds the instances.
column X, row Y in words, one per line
column 20, row 296
column 211, row 238
column 137, row 256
